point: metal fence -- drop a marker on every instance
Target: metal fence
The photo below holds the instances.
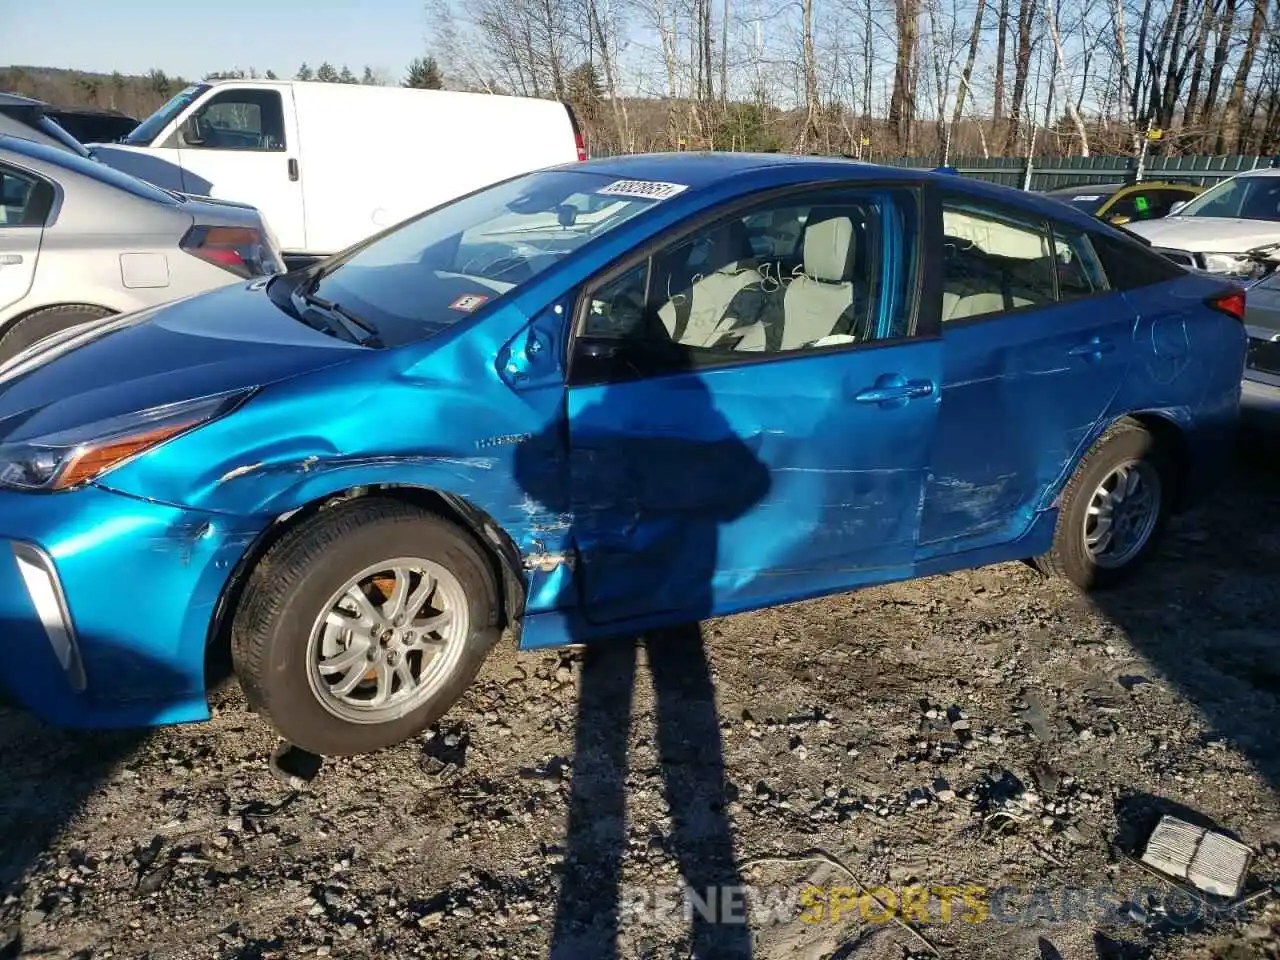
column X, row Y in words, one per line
column 1045, row 173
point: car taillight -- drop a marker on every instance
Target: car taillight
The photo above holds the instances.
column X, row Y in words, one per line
column 581, row 145
column 242, row 250
column 1231, row 303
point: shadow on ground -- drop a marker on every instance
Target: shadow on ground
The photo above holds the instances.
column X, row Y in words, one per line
column 1228, row 664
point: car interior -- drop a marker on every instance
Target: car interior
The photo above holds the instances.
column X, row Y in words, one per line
column 804, row 280
column 993, row 266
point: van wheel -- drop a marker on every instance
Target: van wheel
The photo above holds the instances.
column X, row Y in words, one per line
column 363, row 626
column 1113, row 509
column 34, row 327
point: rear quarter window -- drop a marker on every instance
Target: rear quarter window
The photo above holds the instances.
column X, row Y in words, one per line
column 1130, row 265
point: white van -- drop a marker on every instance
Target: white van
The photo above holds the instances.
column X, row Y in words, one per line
column 329, row 164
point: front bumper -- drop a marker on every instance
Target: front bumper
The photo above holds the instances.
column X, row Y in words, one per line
column 106, row 603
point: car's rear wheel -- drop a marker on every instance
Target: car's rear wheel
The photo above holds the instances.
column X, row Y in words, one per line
column 1113, row 509
column 39, row 324
column 364, row 625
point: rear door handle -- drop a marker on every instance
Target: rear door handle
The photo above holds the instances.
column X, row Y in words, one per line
column 891, row 390
column 10, row 259
column 293, row 168
column 1092, row 349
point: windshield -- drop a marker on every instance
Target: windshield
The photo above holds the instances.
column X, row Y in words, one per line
column 1088, row 201
column 1240, row 198
column 442, row 266
column 152, row 127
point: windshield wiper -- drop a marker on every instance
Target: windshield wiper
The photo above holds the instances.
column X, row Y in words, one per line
column 341, row 321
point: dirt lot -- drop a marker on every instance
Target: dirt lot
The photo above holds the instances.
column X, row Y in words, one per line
column 986, row 729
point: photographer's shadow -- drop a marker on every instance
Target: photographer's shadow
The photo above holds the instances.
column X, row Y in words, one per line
column 646, row 513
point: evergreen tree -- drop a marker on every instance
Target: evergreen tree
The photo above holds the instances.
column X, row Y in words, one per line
column 304, row 73
column 346, row 76
column 424, row 74
column 326, row 74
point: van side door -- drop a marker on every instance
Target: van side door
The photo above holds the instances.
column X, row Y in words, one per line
column 240, row 142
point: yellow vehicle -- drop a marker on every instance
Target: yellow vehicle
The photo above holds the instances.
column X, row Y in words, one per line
column 1121, row 203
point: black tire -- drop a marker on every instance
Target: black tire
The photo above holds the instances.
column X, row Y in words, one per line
column 44, row 323
column 1069, row 557
column 286, row 593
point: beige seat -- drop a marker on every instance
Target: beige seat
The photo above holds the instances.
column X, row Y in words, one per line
column 973, row 286
column 707, row 301
column 818, row 298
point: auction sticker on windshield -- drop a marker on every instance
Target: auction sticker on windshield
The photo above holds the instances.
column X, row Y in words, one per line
column 468, row 302
column 644, row 189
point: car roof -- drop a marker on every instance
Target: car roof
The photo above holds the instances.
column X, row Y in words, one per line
column 13, row 100
column 700, row 170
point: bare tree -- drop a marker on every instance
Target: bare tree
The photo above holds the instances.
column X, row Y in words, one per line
column 902, row 104
column 809, row 132
column 1002, row 35
column 1060, row 72
column 1021, row 71
column 1230, row 129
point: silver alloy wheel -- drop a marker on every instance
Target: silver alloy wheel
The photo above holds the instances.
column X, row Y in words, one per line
column 387, row 640
column 1122, row 513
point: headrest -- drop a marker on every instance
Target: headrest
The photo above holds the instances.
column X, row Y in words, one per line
column 829, row 250
column 729, row 243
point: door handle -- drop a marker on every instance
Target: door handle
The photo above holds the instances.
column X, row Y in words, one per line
column 10, row 259
column 293, row 168
column 1092, row 349
column 893, row 390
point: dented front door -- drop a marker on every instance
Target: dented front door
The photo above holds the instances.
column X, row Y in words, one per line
column 706, row 492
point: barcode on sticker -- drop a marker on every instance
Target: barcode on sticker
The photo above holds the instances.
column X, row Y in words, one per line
column 644, row 189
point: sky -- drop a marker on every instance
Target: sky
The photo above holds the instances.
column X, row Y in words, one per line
column 190, row 39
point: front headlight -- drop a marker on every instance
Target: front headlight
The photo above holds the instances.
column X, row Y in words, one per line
column 71, row 458
column 1231, row 264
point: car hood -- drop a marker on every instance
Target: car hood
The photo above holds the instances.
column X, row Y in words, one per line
column 208, row 344
column 1207, row 234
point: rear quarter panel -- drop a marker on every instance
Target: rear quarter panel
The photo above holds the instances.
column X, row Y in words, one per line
column 1188, row 369
column 106, row 248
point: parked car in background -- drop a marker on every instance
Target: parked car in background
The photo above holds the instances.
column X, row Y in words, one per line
column 80, row 240
column 331, row 164
column 360, row 474
column 31, row 120
column 1262, row 369
column 89, row 125
column 1126, row 203
column 1217, row 231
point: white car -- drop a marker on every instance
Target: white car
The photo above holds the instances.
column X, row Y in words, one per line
column 1215, row 231
column 80, row 241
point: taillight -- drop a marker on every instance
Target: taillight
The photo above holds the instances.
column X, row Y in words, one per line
column 581, row 145
column 241, row 250
column 1231, row 303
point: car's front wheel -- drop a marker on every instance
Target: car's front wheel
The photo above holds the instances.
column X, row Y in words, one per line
column 364, row 625
column 1113, row 509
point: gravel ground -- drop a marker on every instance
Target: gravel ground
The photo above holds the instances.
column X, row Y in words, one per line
column 987, row 729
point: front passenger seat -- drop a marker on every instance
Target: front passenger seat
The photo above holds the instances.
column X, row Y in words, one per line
column 697, row 317
column 818, row 299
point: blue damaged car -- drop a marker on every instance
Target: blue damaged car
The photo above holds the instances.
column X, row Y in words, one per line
column 591, row 401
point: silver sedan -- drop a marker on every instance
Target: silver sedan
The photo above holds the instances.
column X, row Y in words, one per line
column 80, row 241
